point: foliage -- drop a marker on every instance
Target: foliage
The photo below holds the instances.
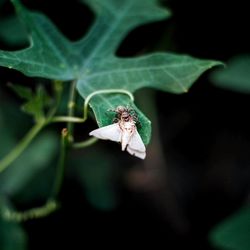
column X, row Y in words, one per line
column 236, row 76
column 92, row 61
column 90, row 65
column 233, row 233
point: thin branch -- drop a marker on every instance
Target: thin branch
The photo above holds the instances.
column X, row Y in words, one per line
column 86, row 103
column 85, row 143
column 21, row 146
column 37, row 212
column 61, row 165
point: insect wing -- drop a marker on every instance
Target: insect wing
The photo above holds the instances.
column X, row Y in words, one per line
column 136, row 142
column 139, row 154
column 136, row 146
column 111, row 132
column 128, row 129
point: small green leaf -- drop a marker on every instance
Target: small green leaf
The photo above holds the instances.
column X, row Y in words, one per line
column 92, row 61
column 36, row 102
column 236, row 76
column 23, row 92
column 234, row 232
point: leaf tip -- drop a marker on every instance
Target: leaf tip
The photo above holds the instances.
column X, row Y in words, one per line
column 218, row 63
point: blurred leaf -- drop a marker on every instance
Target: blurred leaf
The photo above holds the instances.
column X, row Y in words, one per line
column 92, row 61
column 36, row 158
column 12, row 236
column 236, row 76
column 41, row 184
column 36, row 103
column 234, row 232
column 97, row 176
column 6, row 140
column 12, row 31
column 40, row 170
column 10, row 113
column 23, row 92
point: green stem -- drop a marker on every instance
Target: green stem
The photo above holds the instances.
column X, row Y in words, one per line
column 32, row 213
column 61, row 165
column 21, row 146
column 71, row 119
column 66, row 139
column 85, row 144
column 71, row 109
column 67, row 119
column 51, row 204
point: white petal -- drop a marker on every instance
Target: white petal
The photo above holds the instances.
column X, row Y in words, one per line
column 111, row 132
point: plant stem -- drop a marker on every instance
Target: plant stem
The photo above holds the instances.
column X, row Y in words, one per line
column 32, row 213
column 71, row 104
column 71, row 109
column 66, row 139
column 21, row 146
column 85, row 144
column 61, row 165
column 67, row 119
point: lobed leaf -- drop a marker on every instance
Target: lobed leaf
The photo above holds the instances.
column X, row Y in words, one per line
column 92, row 62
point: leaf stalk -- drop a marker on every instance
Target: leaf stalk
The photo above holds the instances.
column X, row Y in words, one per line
column 21, row 146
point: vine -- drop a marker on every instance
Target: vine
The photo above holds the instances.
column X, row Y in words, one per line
column 67, row 141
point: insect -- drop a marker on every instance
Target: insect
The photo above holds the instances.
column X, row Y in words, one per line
column 123, row 130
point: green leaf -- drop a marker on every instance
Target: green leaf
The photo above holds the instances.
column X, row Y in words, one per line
column 234, row 232
column 36, row 102
column 161, row 71
column 92, row 60
column 236, row 76
column 23, row 92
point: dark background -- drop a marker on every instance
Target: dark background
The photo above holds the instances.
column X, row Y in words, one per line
column 200, row 172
